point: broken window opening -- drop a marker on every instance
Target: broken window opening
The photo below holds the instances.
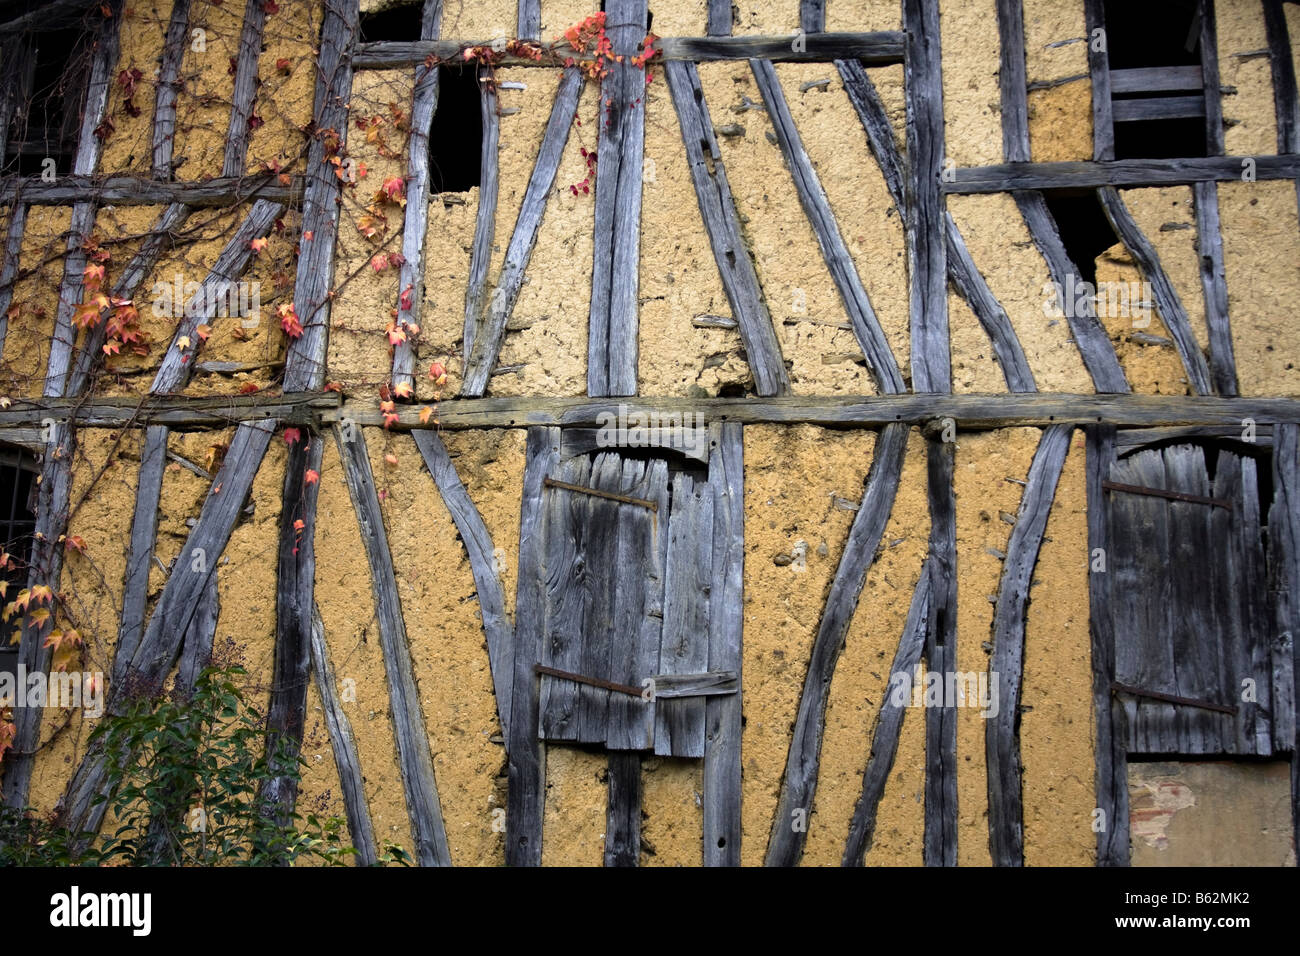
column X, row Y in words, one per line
column 50, row 80
column 397, row 23
column 455, row 139
column 1157, row 90
column 18, row 471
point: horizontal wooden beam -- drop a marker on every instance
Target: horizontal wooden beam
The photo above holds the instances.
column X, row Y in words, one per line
column 139, row 191
column 176, row 411
column 874, row 49
column 1153, row 79
column 867, row 411
column 1157, row 108
column 1005, row 177
column 967, row 411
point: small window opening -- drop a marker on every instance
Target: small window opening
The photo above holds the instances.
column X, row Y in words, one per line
column 51, row 88
column 1084, row 229
column 455, row 153
column 401, row 23
column 1157, row 91
column 18, row 472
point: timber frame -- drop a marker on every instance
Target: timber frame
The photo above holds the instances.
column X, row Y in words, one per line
column 149, row 645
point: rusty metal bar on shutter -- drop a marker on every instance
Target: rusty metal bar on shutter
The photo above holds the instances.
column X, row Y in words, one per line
column 1118, row 688
column 626, row 499
column 1171, row 495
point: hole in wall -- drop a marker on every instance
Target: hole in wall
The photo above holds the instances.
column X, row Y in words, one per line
column 1149, row 34
column 1084, row 228
column 54, row 76
column 396, row 23
column 455, row 139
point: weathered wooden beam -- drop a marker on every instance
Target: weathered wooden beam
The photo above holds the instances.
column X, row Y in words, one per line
column 178, row 361
column 168, row 88
column 1103, row 126
column 1214, row 284
column 1210, row 79
column 968, row 411
column 416, row 762
column 884, row 740
column 295, row 604
column 1284, row 543
column 613, row 324
column 410, row 296
column 344, row 746
column 244, row 95
column 1146, row 109
column 875, row 49
column 9, row 265
column 718, row 23
column 144, row 531
column 722, row 715
column 623, row 810
column 313, row 285
column 1012, row 81
column 529, row 20
column 477, row 540
column 1128, row 440
column 1122, row 173
column 1089, row 336
column 161, row 236
column 812, row 16
column 939, row 846
column 135, row 191
column 1286, row 102
column 1111, row 757
column 795, row 805
column 1167, row 301
column 196, row 648
column 486, row 215
column 969, row 281
column 924, row 209
column 153, row 657
column 1006, row 666
column 482, row 358
column 817, row 207
column 526, row 754
column 722, row 222
column 172, row 410
column 1156, row 79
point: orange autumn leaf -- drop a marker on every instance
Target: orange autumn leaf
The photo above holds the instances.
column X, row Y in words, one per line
column 402, row 390
column 425, row 414
column 312, row 477
column 259, row 245
column 292, row 435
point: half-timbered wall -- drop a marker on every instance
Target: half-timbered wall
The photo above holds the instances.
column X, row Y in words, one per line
column 830, row 230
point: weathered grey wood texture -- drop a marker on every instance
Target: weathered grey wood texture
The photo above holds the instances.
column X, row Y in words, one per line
column 1006, row 666
column 1111, row 757
column 526, row 755
column 136, row 191
column 1122, row 173
column 612, row 328
column 482, row 358
column 1103, row 128
column 9, row 265
column 939, row 847
column 168, row 88
column 410, row 297
column 785, row 845
column 924, row 214
column 1214, row 285
column 1167, row 301
column 1089, row 336
column 314, row 281
column 476, row 538
column 486, row 215
column 244, row 95
column 721, row 221
column 1012, row 81
column 416, row 762
column 722, row 715
column 884, row 740
column 817, row 207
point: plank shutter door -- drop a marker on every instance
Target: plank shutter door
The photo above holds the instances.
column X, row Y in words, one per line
column 684, row 648
column 602, row 562
column 1189, row 598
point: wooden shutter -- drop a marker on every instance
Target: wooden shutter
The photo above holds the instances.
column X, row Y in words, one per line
column 1189, row 594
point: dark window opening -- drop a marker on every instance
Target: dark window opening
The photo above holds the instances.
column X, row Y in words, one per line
column 396, row 23
column 1084, row 229
column 455, row 156
column 1157, row 92
column 49, row 81
column 18, row 472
